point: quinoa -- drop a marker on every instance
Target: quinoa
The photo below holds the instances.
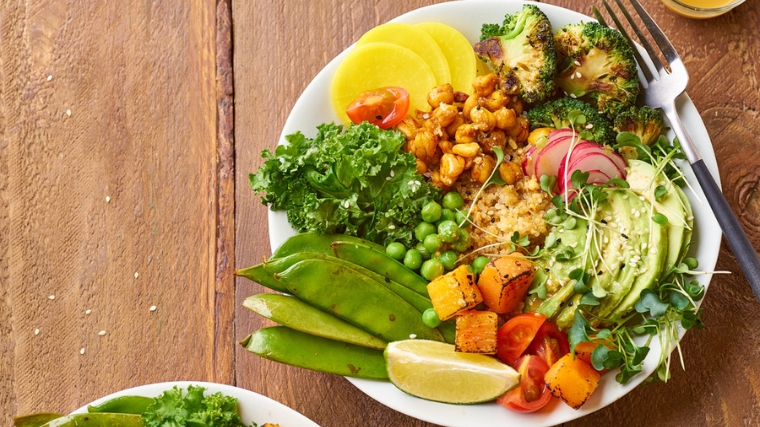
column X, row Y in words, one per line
column 500, row 210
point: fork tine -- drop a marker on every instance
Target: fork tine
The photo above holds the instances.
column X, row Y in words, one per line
column 599, row 17
column 659, row 37
column 644, row 42
column 642, row 65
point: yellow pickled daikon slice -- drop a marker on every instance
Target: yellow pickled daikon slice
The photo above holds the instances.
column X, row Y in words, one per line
column 458, row 52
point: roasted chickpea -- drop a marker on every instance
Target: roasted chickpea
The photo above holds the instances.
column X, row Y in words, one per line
column 510, row 172
column 466, row 133
column 445, row 114
column 468, row 150
column 450, row 168
column 495, row 138
column 408, row 126
column 497, row 99
column 537, row 134
column 483, row 119
column 481, row 169
column 485, row 85
column 452, row 128
column 469, row 104
column 441, row 94
column 505, row 118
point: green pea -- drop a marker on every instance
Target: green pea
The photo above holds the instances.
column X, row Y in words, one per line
column 431, row 212
column 461, row 217
column 479, row 263
column 433, row 243
column 448, row 259
column 453, row 200
column 449, row 231
column 431, row 269
column 413, row 259
column 420, row 247
column 430, row 318
column 464, row 241
column 395, row 250
column 447, row 215
column 422, row 230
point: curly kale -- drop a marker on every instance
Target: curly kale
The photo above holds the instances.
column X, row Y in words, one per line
column 596, row 63
column 521, row 51
column 174, row 408
column 565, row 112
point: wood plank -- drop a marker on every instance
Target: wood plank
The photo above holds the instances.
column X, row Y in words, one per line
column 110, row 162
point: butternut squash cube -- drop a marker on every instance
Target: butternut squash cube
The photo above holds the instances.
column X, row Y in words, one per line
column 572, row 380
column 454, row 292
column 476, row 332
column 504, row 282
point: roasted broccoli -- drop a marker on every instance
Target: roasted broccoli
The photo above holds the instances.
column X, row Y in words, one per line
column 596, row 63
column 521, row 51
column 565, row 112
column 644, row 122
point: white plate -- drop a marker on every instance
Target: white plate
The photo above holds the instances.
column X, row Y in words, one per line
column 252, row 407
column 310, row 111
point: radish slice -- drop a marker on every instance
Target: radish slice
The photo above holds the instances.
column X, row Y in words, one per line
column 527, row 163
column 596, row 161
column 550, row 158
column 595, row 177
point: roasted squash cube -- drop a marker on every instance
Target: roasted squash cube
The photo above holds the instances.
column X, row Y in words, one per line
column 504, row 282
column 454, row 292
column 572, row 380
column 476, row 332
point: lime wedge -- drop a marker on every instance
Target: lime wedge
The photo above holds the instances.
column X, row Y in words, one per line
column 434, row 371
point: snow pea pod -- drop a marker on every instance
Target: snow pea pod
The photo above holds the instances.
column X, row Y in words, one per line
column 312, row 242
column 296, row 314
column 303, row 350
column 381, row 264
column 35, row 420
column 97, row 420
column 123, row 405
column 356, row 298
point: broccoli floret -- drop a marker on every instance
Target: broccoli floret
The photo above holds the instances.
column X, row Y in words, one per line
column 644, row 122
column 596, row 63
column 521, row 51
column 565, row 112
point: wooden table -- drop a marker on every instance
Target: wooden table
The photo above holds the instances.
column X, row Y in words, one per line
column 125, row 206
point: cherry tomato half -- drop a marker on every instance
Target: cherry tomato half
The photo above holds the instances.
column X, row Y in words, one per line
column 531, row 394
column 383, row 107
column 516, row 334
column 549, row 344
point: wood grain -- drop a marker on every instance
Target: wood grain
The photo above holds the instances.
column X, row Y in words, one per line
column 276, row 56
column 116, row 176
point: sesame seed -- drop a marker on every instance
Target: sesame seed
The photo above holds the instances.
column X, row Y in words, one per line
column 81, row 351
column 387, row 178
column 68, row 112
column 50, row 77
column 347, row 204
column 577, row 64
column 589, row 126
column 152, row 308
column 101, row 333
column 412, row 336
column 52, row 297
column 88, row 311
column 572, row 95
column 36, row 331
column 578, row 74
column 108, row 199
column 391, row 227
column 572, row 76
column 137, row 275
column 393, row 173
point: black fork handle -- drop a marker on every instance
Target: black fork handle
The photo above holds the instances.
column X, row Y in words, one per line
column 735, row 236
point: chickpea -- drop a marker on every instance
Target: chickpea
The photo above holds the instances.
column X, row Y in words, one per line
column 469, row 104
column 481, row 169
column 505, row 118
column 520, row 130
column 423, row 145
column 510, row 172
column 445, row 114
column 468, row 150
column 482, row 118
column 485, row 85
column 496, row 100
column 466, row 133
column 441, row 94
column 445, row 146
column 452, row 128
column 450, row 168
column 516, row 104
column 537, row 134
column 408, row 126
column 495, row 138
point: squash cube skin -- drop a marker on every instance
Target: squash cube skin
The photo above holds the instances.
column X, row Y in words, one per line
column 476, row 332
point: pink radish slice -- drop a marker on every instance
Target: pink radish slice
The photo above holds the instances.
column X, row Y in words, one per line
column 527, row 163
column 595, row 177
column 596, row 161
column 549, row 159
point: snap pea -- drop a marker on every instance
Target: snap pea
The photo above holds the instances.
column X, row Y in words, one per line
column 303, row 350
column 35, row 420
column 312, row 242
column 380, row 264
column 296, row 314
column 264, row 273
column 123, row 405
column 356, row 298
column 97, row 420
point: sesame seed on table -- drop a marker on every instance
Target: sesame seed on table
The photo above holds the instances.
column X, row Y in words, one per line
column 127, row 135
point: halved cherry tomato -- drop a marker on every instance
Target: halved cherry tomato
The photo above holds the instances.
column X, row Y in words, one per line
column 549, row 344
column 383, row 107
column 516, row 334
column 532, row 393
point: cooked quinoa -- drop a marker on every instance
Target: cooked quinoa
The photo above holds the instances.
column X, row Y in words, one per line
column 500, row 210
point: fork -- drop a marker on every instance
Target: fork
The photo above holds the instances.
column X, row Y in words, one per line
column 664, row 87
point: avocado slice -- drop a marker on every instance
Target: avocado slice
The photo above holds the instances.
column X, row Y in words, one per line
column 644, row 179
